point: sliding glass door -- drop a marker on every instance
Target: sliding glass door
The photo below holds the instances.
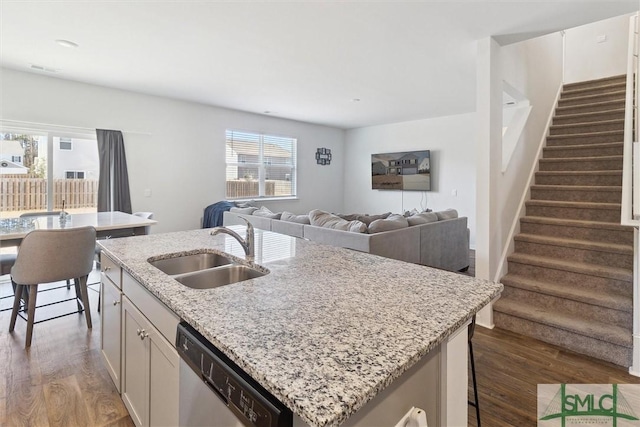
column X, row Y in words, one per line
column 42, row 170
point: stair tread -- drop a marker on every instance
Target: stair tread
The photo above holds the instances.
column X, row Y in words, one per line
column 581, row 159
column 583, row 205
column 592, row 114
column 577, row 187
column 602, row 80
column 616, row 273
column 589, row 89
column 586, row 134
column 584, row 295
column 584, row 146
column 576, row 243
column 596, row 172
column 561, row 108
column 576, row 223
column 572, row 323
column 601, row 122
column 595, row 96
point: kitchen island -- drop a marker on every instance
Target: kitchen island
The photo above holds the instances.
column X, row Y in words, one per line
column 327, row 330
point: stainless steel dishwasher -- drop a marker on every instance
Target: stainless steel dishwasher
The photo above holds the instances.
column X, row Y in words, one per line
column 215, row 392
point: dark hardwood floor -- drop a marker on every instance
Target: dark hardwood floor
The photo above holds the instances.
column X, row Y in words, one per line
column 61, row 379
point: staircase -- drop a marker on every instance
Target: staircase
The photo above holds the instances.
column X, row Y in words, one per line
column 570, row 277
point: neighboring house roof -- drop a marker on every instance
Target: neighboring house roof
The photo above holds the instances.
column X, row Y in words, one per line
column 409, row 156
column 7, row 167
column 270, row 150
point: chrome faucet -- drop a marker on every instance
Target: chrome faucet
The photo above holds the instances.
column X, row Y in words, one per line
column 247, row 243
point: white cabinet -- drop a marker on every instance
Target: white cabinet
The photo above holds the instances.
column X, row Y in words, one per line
column 150, row 371
column 110, row 323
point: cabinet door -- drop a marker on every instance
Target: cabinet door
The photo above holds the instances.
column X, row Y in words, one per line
column 164, row 382
column 110, row 328
column 135, row 360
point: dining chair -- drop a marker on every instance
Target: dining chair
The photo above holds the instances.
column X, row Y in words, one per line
column 47, row 256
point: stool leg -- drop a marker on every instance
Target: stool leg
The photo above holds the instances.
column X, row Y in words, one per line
column 16, row 305
column 475, row 384
column 85, row 300
column 33, row 291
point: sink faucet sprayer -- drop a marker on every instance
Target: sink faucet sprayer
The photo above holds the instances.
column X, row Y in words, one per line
column 247, row 243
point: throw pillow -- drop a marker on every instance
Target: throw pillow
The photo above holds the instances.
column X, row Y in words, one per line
column 392, row 222
column 447, row 214
column 368, row 219
column 348, row 217
column 265, row 212
column 247, row 211
column 325, row 219
column 290, row 217
column 422, row 218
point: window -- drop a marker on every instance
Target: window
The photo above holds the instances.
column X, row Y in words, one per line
column 16, row 159
column 260, row 165
column 74, row 174
column 66, row 144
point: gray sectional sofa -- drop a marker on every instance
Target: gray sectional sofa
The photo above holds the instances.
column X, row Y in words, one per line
column 442, row 244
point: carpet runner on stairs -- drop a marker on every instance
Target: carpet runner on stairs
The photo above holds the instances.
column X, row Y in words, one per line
column 569, row 279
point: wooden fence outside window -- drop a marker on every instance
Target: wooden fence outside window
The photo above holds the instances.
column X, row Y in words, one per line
column 25, row 194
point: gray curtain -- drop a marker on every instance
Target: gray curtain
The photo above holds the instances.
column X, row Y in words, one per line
column 114, row 179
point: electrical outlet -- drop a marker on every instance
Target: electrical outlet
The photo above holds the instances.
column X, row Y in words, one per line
column 601, row 38
column 454, row 193
column 147, row 192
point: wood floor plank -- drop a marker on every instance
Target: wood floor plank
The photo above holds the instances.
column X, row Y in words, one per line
column 65, row 405
column 26, row 405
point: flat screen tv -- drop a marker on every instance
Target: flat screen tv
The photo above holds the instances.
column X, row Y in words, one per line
column 410, row 170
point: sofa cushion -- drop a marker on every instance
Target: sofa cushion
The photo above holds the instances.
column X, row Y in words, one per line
column 266, row 213
column 348, row 217
column 325, row 219
column 368, row 219
column 247, row 211
column 447, row 214
column 290, row 217
column 422, row 218
column 392, row 222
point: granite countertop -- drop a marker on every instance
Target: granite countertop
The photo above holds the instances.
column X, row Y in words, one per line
column 327, row 329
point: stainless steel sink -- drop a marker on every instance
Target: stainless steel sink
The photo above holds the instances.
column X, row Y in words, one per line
column 190, row 263
column 220, row 276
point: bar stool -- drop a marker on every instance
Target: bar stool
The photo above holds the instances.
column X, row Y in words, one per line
column 475, row 403
column 47, row 256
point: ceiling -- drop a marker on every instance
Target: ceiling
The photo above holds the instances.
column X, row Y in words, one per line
column 302, row 60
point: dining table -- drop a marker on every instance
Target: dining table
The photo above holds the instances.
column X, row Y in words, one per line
column 107, row 224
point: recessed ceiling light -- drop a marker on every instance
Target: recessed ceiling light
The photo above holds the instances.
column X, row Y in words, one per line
column 66, row 43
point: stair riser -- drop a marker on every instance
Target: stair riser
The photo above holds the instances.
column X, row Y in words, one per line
column 577, row 196
column 599, row 90
column 590, row 108
column 582, row 233
column 610, row 115
column 584, row 128
column 570, row 102
column 543, row 179
column 596, row 283
column 611, row 259
column 590, row 164
column 583, row 152
column 561, row 141
column 567, row 306
column 602, row 215
column 595, row 83
column 580, row 344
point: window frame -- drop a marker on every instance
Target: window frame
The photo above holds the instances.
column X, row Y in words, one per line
column 263, row 164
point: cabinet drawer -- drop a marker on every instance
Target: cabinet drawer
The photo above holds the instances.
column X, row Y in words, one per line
column 160, row 316
column 111, row 270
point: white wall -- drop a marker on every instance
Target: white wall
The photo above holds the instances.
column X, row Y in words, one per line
column 533, row 67
column 451, row 141
column 586, row 59
column 176, row 149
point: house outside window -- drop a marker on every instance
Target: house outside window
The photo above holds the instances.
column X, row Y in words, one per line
column 66, row 144
column 74, row 174
column 259, row 165
column 16, row 159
